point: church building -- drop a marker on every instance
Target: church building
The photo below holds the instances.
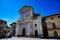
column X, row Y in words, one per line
column 30, row 24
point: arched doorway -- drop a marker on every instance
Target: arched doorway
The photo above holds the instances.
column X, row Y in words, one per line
column 55, row 34
column 23, row 32
column 36, row 33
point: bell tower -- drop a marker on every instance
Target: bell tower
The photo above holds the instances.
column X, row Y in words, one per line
column 26, row 12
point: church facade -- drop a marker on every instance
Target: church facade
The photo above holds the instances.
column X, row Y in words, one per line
column 29, row 23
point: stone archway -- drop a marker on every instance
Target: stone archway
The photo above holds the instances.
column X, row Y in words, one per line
column 55, row 34
column 23, row 32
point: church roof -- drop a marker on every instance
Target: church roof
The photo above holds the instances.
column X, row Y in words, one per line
column 35, row 15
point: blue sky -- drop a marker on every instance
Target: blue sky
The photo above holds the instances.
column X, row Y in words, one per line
column 9, row 9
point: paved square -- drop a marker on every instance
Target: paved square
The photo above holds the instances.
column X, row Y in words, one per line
column 26, row 38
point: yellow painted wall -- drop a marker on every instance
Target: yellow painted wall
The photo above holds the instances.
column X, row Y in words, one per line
column 51, row 32
column 56, row 20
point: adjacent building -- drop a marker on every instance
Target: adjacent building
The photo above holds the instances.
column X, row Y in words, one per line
column 3, row 25
column 13, row 28
column 53, row 25
column 30, row 24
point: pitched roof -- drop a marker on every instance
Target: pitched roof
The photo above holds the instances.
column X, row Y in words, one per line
column 53, row 15
column 3, row 21
column 13, row 23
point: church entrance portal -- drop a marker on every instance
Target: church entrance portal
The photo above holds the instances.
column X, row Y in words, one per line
column 36, row 33
column 23, row 32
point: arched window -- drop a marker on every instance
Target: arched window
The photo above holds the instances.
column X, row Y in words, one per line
column 35, row 25
column 55, row 34
column 54, row 26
